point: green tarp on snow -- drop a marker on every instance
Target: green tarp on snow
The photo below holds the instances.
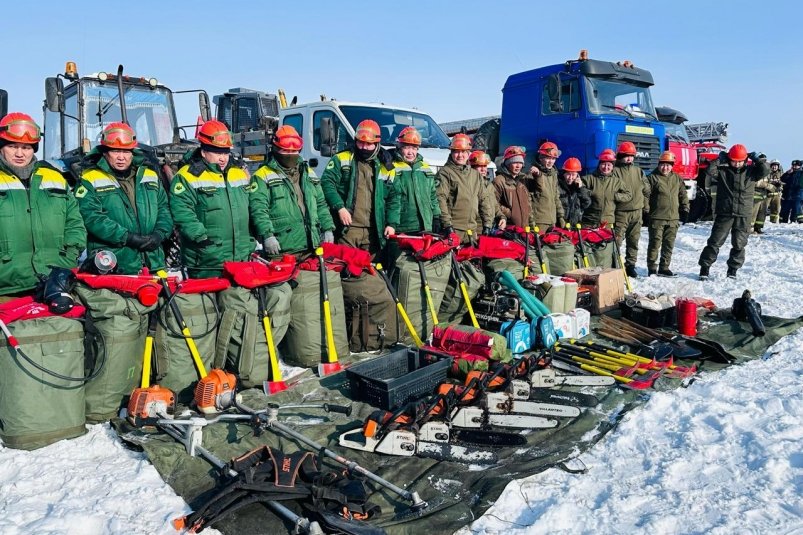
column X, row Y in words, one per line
column 459, row 493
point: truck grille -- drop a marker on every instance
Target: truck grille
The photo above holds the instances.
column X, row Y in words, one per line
column 648, row 149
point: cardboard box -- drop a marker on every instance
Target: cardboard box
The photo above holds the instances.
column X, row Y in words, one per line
column 607, row 286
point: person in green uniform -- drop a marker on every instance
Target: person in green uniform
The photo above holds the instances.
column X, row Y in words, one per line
column 41, row 223
column 415, row 183
column 767, row 195
column 547, row 210
column 736, row 183
column 287, row 206
column 629, row 214
column 209, row 201
column 358, row 185
column 605, row 190
column 668, row 205
column 124, row 206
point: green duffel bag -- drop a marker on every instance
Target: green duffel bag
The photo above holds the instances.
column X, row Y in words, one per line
column 242, row 345
column 175, row 367
column 492, row 267
column 559, row 256
column 305, row 342
column 600, row 254
column 371, row 321
column 123, row 324
column 37, row 408
column 406, row 278
column 453, row 307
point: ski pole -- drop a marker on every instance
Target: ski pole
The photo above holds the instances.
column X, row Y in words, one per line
column 539, row 252
column 275, row 383
column 582, row 245
column 427, row 292
column 621, row 260
column 399, row 306
column 458, row 273
column 332, row 365
column 526, row 251
column 170, row 296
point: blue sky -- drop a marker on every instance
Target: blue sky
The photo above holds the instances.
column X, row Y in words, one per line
column 715, row 61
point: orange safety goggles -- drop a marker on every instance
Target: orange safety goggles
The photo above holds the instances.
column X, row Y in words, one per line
column 120, row 138
column 218, row 139
column 21, row 131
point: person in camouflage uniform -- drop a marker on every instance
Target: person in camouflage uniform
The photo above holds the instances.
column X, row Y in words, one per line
column 629, row 214
column 736, row 183
column 667, row 205
column 766, row 189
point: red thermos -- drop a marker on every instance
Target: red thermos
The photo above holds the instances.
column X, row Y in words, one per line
column 687, row 317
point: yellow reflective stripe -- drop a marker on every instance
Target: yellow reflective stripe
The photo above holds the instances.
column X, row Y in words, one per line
column 311, row 172
column 207, row 179
column 51, row 179
column 267, row 174
column 99, row 179
column 402, row 166
column 236, row 177
column 10, row 182
column 345, row 158
column 149, row 177
column 386, row 175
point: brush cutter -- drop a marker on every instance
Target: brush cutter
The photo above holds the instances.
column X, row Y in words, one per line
column 331, row 365
column 399, row 306
column 149, row 403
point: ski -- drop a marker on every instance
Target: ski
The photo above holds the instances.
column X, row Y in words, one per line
column 504, row 403
column 477, row 418
column 575, row 399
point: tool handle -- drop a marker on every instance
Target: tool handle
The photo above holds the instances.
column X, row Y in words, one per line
column 340, row 409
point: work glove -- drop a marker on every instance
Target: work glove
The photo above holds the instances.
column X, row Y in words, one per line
column 271, row 246
column 154, row 241
column 684, row 217
column 486, row 231
column 447, row 231
column 436, row 225
column 206, row 242
column 136, row 241
column 328, row 237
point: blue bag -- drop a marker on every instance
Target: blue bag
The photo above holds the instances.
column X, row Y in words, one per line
column 518, row 334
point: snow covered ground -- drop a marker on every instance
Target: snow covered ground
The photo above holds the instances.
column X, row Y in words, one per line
column 723, row 456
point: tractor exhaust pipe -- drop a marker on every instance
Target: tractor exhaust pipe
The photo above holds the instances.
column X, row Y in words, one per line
column 121, row 92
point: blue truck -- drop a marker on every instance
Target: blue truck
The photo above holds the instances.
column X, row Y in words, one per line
column 582, row 105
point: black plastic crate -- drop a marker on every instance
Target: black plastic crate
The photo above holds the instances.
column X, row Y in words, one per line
column 392, row 380
column 667, row 317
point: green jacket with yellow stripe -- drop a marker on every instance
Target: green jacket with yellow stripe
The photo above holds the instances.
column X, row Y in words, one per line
column 275, row 210
column 418, row 197
column 209, row 204
column 338, row 181
column 109, row 216
column 40, row 226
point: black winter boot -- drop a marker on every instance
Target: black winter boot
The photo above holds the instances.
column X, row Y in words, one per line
column 731, row 273
column 703, row 273
column 666, row 273
column 631, row 272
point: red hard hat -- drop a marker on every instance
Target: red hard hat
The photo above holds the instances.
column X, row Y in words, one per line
column 513, row 150
column 627, row 148
column 368, row 132
column 409, row 136
column 478, row 159
column 549, row 149
column 286, row 138
column 607, row 156
column 460, row 142
column 118, row 136
column 737, row 153
column 216, row 134
column 572, row 165
column 666, row 157
column 20, row 128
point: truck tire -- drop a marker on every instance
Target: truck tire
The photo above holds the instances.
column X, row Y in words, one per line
column 487, row 138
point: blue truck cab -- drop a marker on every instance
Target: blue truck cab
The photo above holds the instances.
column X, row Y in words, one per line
column 584, row 106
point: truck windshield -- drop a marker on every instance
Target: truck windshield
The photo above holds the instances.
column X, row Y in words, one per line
column 676, row 132
column 392, row 121
column 150, row 111
column 608, row 96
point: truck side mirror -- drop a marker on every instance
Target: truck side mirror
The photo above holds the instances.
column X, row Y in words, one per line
column 54, row 94
column 203, row 105
column 553, row 89
column 3, row 102
column 328, row 141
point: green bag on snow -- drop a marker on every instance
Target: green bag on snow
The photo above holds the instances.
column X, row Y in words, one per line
column 406, row 278
column 559, row 256
column 453, row 307
column 175, row 368
column 37, row 409
column 241, row 342
column 123, row 324
column 371, row 320
column 305, row 342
